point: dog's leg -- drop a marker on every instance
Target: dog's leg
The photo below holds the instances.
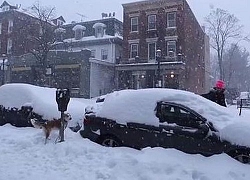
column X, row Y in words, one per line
column 47, row 133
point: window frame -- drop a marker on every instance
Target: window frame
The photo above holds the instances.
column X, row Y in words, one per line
column 9, row 46
column 179, row 115
column 152, row 23
column 149, row 54
column 104, row 54
column 93, row 53
column 5, row 8
column 168, row 49
column 78, row 34
column 99, row 31
column 10, row 26
column 169, row 21
column 132, row 50
column 134, row 25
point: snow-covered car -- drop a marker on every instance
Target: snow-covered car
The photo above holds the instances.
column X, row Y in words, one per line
column 171, row 119
column 16, row 97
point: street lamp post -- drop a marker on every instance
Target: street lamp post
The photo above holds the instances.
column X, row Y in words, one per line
column 158, row 59
column 3, row 80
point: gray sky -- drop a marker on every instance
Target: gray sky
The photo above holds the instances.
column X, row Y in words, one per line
column 72, row 10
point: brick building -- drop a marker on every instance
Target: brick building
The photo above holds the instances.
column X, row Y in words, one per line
column 18, row 31
column 170, row 28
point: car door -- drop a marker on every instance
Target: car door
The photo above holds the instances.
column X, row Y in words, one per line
column 142, row 135
column 189, row 132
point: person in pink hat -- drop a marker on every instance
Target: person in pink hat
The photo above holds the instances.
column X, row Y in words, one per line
column 217, row 93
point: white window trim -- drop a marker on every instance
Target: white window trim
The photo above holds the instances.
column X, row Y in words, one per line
column 104, row 52
column 59, row 22
column 167, row 43
column 133, row 41
column 149, row 51
column 151, row 40
column 171, row 38
column 132, row 26
column 10, row 26
column 137, row 49
column 155, row 22
column 93, row 53
column 0, row 28
column 5, row 8
column 168, row 20
column 134, row 15
column 9, row 46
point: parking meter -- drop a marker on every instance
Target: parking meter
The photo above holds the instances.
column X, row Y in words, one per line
column 62, row 99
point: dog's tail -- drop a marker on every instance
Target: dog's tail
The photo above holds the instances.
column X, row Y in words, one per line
column 36, row 123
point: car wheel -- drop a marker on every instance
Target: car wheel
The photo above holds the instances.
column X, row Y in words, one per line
column 109, row 141
column 243, row 158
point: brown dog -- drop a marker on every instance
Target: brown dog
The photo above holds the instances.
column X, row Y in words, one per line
column 50, row 125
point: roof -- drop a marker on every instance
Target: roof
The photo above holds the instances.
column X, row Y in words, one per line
column 5, row 3
column 140, row 3
column 61, row 18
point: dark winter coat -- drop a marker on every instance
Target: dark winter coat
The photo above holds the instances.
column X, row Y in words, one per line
column 216, row 95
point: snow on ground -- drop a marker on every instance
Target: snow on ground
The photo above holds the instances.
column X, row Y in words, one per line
column 23, row 154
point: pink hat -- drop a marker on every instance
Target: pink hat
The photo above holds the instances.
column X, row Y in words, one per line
column 220, row 84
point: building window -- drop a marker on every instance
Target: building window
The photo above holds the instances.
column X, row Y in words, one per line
column 5, row 8
column 93, row 53
column 171, row 48
column 10, row 26
column 59, row 22
column 100, row 29
column 41, row 31
column 171, row 19
column 151, row 22
column 78, row 34
column 133, row 50
column 104, row 54
column 151, row 50
column 9, row 46
column 134, row 24
column 79, row 31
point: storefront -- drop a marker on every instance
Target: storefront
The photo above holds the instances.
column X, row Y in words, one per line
column 138, row 76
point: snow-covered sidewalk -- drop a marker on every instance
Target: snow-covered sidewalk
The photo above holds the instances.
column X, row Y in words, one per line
column 23, row 155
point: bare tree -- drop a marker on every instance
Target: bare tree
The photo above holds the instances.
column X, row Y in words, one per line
column 222, row 26
column 44, row 39
column 236, row 67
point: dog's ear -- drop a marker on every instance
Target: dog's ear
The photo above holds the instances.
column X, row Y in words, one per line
column 68, row 116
